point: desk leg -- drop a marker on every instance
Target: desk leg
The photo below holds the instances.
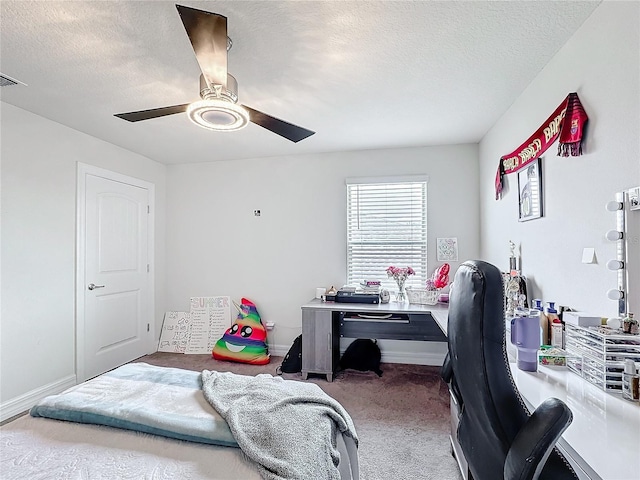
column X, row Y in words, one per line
column 329, row 377
column 305, row 375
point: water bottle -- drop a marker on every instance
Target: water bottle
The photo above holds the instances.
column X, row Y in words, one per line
column 525, row 335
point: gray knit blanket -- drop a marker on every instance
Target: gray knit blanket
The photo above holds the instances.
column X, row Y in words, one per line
column 288, row 428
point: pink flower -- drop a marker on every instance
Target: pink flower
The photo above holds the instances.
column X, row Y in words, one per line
column 400, row 273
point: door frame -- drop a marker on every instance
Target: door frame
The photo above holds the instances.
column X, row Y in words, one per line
column 83, row 170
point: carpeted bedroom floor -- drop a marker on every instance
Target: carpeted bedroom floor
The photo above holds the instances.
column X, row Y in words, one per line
column 402, row 418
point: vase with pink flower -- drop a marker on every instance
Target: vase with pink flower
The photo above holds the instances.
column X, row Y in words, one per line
column 400, row 274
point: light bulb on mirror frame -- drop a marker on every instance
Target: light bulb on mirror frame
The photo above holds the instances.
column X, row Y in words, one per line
column 615, row 265
column 615, row 294
column 613, row 206
column 613, row 235
column 614, row 323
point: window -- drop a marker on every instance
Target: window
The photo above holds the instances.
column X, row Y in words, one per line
column 386, row 225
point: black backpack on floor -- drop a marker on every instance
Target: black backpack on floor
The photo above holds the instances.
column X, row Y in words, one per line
column 292, row 362
column 362, row 354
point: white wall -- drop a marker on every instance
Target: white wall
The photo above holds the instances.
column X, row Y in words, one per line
column 600, row 62
column 216, row 246
column 39, row 159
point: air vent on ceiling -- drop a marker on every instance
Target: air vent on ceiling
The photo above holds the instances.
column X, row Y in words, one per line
column 6, row 81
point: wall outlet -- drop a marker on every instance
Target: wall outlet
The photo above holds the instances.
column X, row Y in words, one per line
column 256, row 213
column 270, row 325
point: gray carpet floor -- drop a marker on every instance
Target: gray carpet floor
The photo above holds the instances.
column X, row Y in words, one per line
column 402, row 418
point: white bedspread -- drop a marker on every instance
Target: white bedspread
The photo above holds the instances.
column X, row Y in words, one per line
column 146, row 400
column 44, row 449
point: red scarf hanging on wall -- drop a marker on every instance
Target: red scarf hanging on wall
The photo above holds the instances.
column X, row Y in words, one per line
column 567, row 122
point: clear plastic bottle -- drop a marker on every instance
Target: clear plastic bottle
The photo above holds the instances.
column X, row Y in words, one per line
column 544, row 322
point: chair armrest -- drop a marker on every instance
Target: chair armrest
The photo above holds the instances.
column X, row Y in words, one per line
column 446, row 372
column 536, row 439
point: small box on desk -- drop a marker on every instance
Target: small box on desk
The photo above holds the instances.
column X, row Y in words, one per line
column 352, row 297
column 581, row 319
column 552, row 356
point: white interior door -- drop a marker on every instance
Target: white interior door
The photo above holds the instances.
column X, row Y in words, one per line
column 115, row 286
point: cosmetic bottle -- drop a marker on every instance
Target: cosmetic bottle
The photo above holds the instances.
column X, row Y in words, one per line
column 544, row 322
column 556, row 330
column 630, row 381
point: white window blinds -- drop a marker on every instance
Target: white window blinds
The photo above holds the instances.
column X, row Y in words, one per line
column 386, row 225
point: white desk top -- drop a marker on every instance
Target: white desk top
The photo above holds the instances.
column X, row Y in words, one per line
column 438, row 311
column 605, row 431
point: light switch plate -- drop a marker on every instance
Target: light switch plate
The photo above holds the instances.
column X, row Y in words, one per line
column 589, row 255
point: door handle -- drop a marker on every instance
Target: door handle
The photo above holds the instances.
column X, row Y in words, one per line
column 93, row 286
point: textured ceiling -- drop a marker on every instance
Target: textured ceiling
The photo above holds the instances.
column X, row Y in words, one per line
column 363, row 75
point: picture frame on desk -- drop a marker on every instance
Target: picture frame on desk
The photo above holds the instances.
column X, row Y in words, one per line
column 530, row 191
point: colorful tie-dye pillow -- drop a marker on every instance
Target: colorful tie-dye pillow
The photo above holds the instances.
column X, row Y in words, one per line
column 246, row 340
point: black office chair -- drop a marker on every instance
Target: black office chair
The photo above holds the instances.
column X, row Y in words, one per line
column 496, row 434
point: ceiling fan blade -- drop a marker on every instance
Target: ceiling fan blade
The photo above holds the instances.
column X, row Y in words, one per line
column 280, row 127
column 153, row 113
column 208, row 34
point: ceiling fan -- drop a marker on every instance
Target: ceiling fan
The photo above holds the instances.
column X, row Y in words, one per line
column 218, row 110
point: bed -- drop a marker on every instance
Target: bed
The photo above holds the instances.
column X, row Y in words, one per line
column 143, row 421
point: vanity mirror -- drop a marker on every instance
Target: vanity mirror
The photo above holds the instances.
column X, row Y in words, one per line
column 627, row 262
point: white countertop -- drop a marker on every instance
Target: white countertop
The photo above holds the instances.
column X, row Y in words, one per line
column 605, row 431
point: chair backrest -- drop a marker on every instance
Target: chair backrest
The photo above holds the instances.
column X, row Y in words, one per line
column 492, row 410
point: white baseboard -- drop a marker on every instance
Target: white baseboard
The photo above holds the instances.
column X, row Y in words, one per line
column 24, row 402
column 411, row 358
column 278, row 350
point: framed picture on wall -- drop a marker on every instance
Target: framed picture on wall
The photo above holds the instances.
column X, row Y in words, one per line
column 530, row 191
column 447, row 249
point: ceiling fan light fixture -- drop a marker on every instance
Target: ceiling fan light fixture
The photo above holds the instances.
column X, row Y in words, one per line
column 218, row 115
column 218, row 110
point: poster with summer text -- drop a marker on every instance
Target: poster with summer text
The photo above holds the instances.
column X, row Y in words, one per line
column 210, row 318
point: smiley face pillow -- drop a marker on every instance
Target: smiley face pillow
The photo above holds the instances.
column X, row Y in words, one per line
column 246, row 340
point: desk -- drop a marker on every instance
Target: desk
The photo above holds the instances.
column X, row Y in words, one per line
column 323, row 323
column 603, row 440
